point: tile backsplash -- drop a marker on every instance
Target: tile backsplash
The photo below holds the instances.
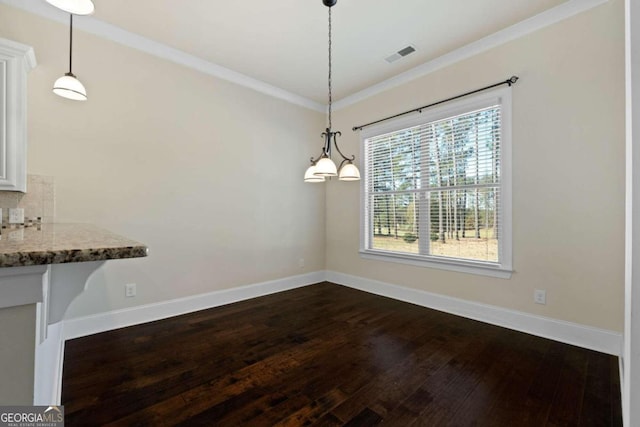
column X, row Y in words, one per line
column 38, row 201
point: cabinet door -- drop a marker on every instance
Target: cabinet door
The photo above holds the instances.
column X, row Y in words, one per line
column 16, row 60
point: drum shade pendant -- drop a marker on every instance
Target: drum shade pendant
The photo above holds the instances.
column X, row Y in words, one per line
column 322, row 166
column 68, row 86
column 76, row 7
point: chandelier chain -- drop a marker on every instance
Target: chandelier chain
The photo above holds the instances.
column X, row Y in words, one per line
column 70, row 42
column 330, row 98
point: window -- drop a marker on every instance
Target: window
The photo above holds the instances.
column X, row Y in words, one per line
column 437, row 187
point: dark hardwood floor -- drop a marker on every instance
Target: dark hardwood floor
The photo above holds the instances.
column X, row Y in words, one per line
column 327, row 355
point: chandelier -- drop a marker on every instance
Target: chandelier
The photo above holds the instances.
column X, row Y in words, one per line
column 322, row 166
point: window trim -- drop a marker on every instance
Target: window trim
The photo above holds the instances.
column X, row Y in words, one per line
column 504, row 269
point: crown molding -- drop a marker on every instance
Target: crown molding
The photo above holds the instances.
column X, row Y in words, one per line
column 135, row 41
column 118, row 35
column 522, row 28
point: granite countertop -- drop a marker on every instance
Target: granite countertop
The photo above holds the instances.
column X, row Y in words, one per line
column 63, row 243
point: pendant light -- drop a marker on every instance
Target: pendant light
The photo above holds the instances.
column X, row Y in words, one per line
column 68, row 86
column 76, row 7
column 322, row 166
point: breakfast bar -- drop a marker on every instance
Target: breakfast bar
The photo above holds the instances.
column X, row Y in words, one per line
column 42, row 244
column 47, row 266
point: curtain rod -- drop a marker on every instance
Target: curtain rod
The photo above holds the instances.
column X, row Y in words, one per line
column 511, row 80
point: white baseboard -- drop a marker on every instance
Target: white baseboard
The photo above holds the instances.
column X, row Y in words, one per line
column 88, row 325
column 621, row 372
column 49, row 355
column 601, row 340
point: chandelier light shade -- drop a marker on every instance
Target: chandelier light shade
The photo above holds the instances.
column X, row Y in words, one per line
column 75, row 7
column 326, row 167
column 310, row 176
column 68, row 86
column 322, row 166
column 349, row 172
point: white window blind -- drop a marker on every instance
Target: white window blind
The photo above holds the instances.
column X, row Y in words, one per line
column 433, row 190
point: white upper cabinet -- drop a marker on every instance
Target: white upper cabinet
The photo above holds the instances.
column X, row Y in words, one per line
column 16, row 60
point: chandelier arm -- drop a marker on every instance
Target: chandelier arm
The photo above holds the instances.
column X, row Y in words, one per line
column 335, row 143
column 316, row 159
column 326, row 149
column 345, row 161
column 323, row 153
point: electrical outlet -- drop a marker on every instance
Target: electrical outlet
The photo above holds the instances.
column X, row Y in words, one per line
column 16, row 216
column 17, row 235
column 540, row 296
column 301, row 263
column 130, row 290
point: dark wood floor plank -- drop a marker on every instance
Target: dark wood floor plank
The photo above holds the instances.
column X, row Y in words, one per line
column 326, row 355
column 328, row 420
column 365, row 418
column 267, row 411
column 317, row 387
column 213, row 393
column 596, row 392
column 537, row 403
column 569, row 399
column 615, row 398
column 271, row 343
column 475, row 408
column 450, row 386
column 384, row 391
column 311, row 413
column 505, row 402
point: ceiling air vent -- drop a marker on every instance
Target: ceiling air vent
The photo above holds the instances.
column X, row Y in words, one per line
column 400, row 54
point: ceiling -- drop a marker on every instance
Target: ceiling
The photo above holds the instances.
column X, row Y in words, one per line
column 284, row 43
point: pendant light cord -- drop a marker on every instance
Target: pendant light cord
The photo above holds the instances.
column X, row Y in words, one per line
column 70, row 40
column 330, row 98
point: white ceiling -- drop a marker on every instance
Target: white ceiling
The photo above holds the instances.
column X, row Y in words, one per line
column 280, row 48
column 284, row 43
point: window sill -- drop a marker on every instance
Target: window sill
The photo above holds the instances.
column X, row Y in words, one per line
column 468, row 267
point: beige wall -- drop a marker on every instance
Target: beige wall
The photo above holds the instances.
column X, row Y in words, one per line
column 207, row 173
column 18, row 338
column 568, row 172
column 166, row 155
